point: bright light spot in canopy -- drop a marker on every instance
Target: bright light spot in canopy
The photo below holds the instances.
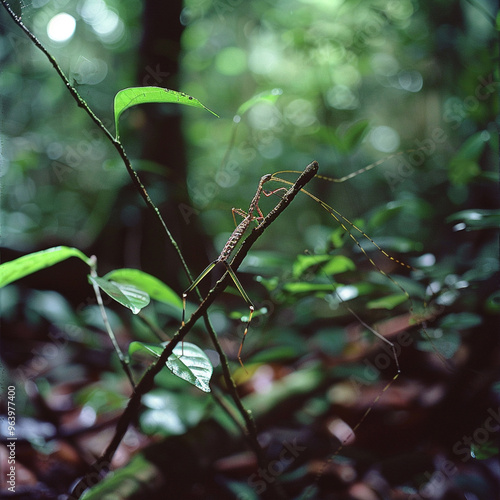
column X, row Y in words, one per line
column 263, row 60
column 385, row 139
column 426, row 260
column 61, row 27
column 410, row 80
column 300, row 113
column 341, row 97
column 104, row 21
column 107, row 23
column 263, row 116
column 347, row 292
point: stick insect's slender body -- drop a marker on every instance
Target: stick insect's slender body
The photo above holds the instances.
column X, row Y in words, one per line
column 233, row 240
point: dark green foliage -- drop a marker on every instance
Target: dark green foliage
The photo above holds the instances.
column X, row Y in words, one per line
column 347, row 84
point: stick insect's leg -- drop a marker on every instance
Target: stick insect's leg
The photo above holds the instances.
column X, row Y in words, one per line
column 193, row 285
column 243, row 214
column 238, row 211
column 251, row 307
column 274, row 191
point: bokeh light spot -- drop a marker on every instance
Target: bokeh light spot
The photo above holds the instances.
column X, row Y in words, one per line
column 61, row 27
column 384, row 139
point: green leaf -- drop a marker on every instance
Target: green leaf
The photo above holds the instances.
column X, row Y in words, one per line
column 33, row 262
column 460, row 321
column 484, row 451
column 492, row 304
column 102, row 397
column 308, row 287
column 169, row 413
column 187, row 361
column 276, row 354
column 133, row 96
column 339, row 264
column 124, row 482
column 464, row 166
column 141, row 347
column 127, row 295
column 477, row 219
column 447, row 345
column 355, row 134
column 303, row 262
column 155, row 288
column 388, row 302
column 335, row 264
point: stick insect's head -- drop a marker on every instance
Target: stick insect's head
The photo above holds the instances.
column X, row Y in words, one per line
column 265, row 178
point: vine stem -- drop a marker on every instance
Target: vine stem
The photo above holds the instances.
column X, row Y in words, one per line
column 109, row 330
column 146, row 382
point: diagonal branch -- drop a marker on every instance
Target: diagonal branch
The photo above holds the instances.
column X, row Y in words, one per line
column 147, row 381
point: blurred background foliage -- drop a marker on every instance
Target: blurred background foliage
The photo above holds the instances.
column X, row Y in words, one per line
column 346, row 83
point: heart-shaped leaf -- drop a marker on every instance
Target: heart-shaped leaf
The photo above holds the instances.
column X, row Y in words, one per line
column 127, row 295
column 187, row 361
column 155, row 288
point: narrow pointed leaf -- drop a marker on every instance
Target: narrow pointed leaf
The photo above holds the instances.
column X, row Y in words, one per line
column 387, row 302
column 308, row 287
column 133, row 96
column 483, row 451
column 33, row 262
column 355, row 134
column 304, row 262
column 127, row 295
column 155, row 288
column 477, row 219
column 187, row 362
column 339, row 264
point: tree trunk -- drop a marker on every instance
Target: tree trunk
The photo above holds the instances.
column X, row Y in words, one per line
column 163, row 143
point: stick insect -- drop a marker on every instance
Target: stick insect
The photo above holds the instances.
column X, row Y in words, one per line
column 249, row 217
column 233, row 240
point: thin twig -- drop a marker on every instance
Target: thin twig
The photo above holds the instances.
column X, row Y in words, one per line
column 111, row 335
